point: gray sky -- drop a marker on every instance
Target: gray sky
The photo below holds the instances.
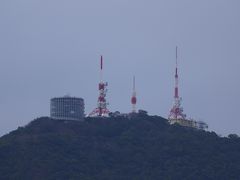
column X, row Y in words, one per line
column 49, row 48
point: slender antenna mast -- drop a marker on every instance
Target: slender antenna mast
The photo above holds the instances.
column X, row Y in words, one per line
column 176, row 75
column 134, row 97
column 177, row 111
column 101, row 69
column 134, row 88
column 176, row 56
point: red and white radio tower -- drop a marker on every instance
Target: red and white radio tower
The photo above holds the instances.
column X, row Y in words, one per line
column 134, row 97
column 101, row 110
column 177, row 111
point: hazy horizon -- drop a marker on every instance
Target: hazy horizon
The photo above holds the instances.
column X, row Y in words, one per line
column 52, row 48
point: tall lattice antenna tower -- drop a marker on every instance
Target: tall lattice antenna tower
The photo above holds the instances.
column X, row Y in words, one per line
column 177, row 111
column 101, row 110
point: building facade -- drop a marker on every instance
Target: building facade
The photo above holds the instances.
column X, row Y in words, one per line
column 67, row 108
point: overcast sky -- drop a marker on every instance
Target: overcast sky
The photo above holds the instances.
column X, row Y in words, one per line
column 50, row 48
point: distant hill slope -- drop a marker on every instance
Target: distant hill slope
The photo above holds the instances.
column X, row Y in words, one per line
column 142, row 148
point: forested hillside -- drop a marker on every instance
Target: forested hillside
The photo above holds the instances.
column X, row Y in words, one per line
column 140, row 148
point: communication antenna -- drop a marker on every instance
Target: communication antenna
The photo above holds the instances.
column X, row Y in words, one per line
column 134, row 97
column 176, row 111
column 101, row 110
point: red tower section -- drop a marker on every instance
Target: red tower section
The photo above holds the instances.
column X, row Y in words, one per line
column 101, row 110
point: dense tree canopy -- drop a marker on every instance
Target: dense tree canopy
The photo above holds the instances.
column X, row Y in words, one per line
column 140, row 148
